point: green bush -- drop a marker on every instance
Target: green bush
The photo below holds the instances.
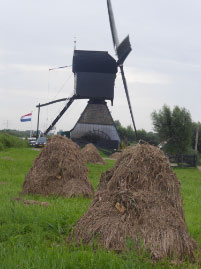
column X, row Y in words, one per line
column 10, row 141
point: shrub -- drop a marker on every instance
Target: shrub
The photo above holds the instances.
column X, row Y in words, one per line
column 10, row 141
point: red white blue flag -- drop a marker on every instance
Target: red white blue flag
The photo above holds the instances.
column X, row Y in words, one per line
column 26, row 117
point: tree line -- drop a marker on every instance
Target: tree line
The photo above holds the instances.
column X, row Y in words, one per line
column 174, row 131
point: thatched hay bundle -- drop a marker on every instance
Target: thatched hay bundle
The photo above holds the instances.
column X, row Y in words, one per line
column 90, row 154
column 115, row 155
column 139, row 199
column 105, row 178
column 59, row 170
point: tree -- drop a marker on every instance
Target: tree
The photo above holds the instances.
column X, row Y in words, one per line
column 117, row 123
column 174, row 128
column 150, row 137
column 128, row 135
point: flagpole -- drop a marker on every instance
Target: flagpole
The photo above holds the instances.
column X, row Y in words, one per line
column 31, row 125
column 38, row 120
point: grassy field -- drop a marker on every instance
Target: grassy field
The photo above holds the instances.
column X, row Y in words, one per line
column 34, row 236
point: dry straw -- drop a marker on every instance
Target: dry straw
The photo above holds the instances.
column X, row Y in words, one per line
column 140, row 200
column 115, row 155
column 90, row 154
column 59, row 170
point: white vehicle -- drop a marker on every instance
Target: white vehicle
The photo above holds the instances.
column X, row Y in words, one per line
column 32, row 141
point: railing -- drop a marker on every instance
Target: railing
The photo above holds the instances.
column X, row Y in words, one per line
column 180, row 160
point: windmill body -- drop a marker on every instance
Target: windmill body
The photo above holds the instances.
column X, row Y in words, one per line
column 95, row 73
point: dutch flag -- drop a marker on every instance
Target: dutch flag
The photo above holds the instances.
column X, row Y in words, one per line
column 26, row 117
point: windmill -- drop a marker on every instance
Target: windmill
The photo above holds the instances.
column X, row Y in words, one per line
column 95, row 74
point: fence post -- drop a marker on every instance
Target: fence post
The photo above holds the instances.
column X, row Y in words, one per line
column 182, row 160
column 195, row 160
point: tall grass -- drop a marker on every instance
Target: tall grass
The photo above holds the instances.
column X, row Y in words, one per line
column 190, row 179
column 11, row 141
column 36, row 237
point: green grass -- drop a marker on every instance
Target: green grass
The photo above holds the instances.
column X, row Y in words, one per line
column 95, row 170
column 35, row 237
column 190, row 179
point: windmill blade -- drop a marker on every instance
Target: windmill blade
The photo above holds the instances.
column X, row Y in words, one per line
column 60, row 114
column 123, row 50
column 112, row 25
column 128, row 99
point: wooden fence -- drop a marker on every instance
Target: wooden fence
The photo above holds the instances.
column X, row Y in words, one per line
column 183, row 160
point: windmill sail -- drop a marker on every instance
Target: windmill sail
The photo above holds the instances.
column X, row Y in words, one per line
column 122, row 50
column 112, row 25
column 128, row 98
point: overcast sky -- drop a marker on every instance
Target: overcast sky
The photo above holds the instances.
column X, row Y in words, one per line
column 163, row 68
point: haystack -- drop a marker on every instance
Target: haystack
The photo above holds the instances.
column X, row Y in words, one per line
column 59, row 170
column 90, row 154
column 115, row 155
column 138, row 200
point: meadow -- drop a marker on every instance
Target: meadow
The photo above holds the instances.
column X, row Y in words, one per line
column 35, row 236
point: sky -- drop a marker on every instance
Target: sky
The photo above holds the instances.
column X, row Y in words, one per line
column 164, row 66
